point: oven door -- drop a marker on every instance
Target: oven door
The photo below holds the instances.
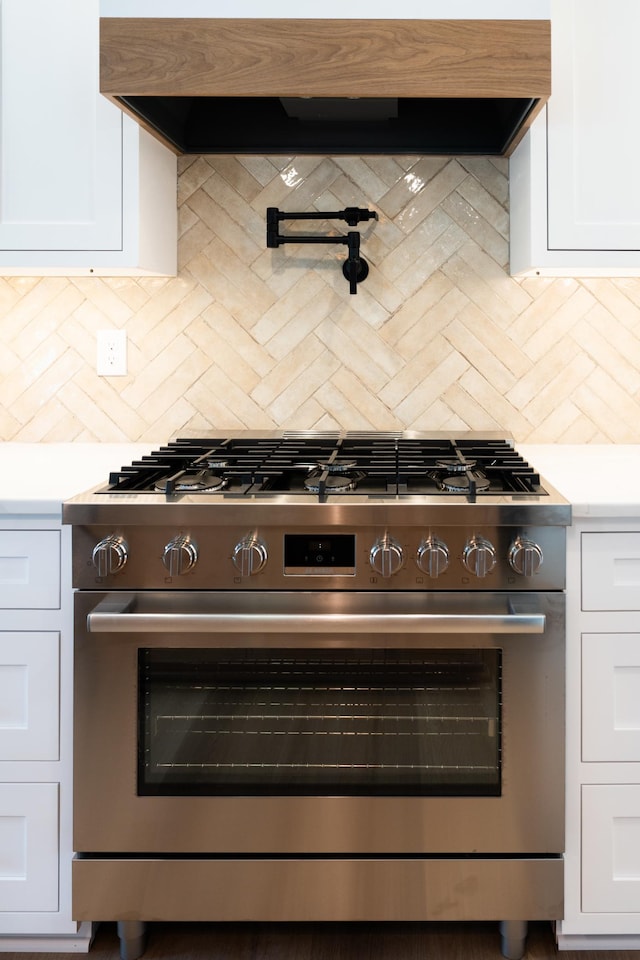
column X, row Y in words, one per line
column 319, row 723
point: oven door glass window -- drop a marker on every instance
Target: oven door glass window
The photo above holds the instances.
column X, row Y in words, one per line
column 248, row 722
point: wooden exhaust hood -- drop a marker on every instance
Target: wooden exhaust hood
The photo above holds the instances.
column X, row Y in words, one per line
column 287, row 86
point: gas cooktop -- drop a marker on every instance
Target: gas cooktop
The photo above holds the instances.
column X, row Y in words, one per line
column 321, row 465
column 283, row 504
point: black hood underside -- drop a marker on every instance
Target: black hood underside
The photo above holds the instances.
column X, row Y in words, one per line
column 272, row 125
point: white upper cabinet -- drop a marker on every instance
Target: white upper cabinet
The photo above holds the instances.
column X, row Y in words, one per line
column 82, row 188
column 575, row 191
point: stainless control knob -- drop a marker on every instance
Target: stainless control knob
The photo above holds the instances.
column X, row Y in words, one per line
column 180, row 555
column 250, row 556
column 525, row 557
column 386, row 556
column 433, row 556
column 479, row 556
column 110, row 555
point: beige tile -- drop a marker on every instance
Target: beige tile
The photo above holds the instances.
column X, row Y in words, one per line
column 421, row 177
column 59, row 370
column 405, row 255
column 477, row 290
column 231, row 217
column 562, row 386
column 193, row 177
column 299, row 326
column 226, row 405
column 351, row 356
column 485, row 207
column 565, row 319
column 611, row 346
column 492, row 173
column 605, row 403
column 432, row 259
column 368, row 406
column 288, row 306
column 474, row 263
column 431, row 369
column 415, row 307
column 308, row 416
column 308, row 384
column 437, row 337
column 287, row 371
column 488, row 232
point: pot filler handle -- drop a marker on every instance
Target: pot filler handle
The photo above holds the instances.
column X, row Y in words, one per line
column 115, row 615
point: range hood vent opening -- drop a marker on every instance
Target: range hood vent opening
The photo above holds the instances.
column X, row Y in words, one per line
column 263, row 125
column 438, row 87
column 340, row 109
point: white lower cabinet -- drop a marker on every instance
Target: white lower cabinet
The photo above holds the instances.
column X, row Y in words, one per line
column 611, row 848
column 611, row 697
column 29, row 569
column 28, row 847
column 602, row 862
column 29, row 695
column 36, row 708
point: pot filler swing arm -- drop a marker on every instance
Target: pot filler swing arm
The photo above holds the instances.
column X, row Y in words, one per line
column 355, row 268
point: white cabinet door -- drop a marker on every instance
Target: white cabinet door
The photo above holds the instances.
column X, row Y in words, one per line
column 29, row 695
column 83, row 189
column 611, row 848
column 29, row 569
column 594, row 139
column 61, row 143
column 611, row 571
column 611, row 697
column 575, row 193
column 28, row 846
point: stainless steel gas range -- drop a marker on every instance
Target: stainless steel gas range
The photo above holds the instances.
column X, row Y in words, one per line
column 320, row 676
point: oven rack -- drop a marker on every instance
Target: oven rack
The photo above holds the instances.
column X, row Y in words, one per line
column 425, row 767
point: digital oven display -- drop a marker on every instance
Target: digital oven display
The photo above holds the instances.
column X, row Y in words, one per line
column 314, row 554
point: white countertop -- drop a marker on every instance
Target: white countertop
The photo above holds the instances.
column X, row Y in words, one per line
column 599, row 480
column 35, row 478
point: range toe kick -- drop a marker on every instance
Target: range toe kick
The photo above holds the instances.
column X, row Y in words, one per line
column 367, row 889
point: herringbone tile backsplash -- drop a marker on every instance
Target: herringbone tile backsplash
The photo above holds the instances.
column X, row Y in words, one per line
column 439, row 337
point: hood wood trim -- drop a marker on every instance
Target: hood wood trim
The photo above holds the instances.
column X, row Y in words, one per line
column 324, row 58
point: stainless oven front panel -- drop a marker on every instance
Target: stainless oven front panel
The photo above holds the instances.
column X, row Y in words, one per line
column 116, row 632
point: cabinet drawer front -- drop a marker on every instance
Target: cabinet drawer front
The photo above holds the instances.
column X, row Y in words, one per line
column 30, row 569
column 611, row 571
column 611, row 697
column 29, row 695
column 610, row 848
column 28, row 847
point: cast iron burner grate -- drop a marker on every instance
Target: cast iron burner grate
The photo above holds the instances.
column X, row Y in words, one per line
column 310, row 465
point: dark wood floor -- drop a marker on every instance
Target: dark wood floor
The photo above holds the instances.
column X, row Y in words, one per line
column 433, row 941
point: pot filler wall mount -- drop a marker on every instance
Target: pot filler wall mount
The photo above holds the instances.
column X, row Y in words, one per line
column 355, row 268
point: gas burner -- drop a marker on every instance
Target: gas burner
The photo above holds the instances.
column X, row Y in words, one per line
column 337, row 466
column 453, row 465
column 191, row 482
column 460, row 483
column 333, row 482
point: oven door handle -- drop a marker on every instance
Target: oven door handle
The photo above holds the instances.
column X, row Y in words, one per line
column 117, row 616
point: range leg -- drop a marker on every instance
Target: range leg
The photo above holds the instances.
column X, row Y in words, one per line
column 514, row 938
column 133, row 938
